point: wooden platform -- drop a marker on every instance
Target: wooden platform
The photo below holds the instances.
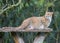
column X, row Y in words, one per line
column 12, row 29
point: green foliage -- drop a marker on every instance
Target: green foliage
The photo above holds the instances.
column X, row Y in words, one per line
column 13, row 12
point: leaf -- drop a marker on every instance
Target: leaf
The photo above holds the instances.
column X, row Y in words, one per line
column 41, row 2
column 49, row 4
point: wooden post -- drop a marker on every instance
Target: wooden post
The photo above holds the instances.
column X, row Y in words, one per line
column 39, row 39
column 18, row 39
column 1, row 40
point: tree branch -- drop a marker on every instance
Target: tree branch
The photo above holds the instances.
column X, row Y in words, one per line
column 14, row 5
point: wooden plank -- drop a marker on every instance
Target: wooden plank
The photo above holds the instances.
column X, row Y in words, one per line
column 13, row 29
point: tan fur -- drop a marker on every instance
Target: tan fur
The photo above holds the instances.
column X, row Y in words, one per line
column 37, row 22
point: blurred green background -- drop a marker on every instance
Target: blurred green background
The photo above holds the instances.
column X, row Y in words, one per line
column 13, row 12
